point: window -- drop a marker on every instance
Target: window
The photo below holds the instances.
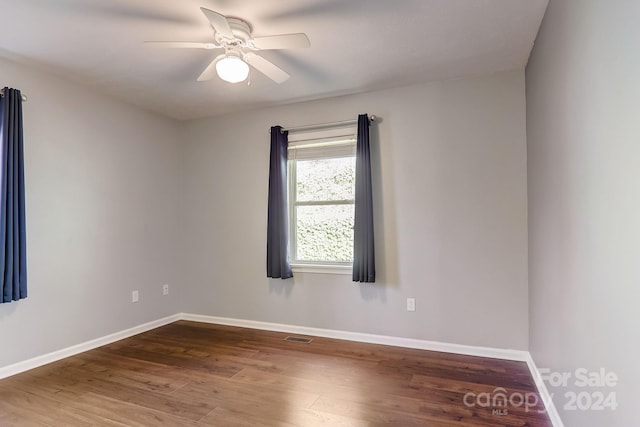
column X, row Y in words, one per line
column 322, row 199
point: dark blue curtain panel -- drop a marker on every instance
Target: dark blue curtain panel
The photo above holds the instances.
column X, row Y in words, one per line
column 364, row 266
column 13, row 242
column 278, row 259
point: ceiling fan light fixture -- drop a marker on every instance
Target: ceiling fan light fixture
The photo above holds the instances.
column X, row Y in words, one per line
column 232, row 69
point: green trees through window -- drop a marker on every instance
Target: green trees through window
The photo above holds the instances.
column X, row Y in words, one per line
column 322, row 200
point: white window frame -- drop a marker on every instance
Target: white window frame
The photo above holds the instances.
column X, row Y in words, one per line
column 317, row 144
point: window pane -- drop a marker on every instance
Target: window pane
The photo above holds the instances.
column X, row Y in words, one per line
column 326, row 179
column 325, row 233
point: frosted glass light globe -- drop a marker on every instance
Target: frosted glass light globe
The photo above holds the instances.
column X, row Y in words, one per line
column 232, row 69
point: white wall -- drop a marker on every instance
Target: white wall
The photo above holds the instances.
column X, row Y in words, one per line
column 102, row 182
column 583, row 129
column 450, row 213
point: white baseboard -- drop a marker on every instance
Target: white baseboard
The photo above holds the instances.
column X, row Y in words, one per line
column 546, row 397
column 37, row 361
column 494, row 353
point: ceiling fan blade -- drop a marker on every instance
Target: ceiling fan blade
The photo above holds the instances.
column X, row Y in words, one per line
column 218, row 22
column 210, row 71
column 267, row 68
column 282, row 41
column 183, row 45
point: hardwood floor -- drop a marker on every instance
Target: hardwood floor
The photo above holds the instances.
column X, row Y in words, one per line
column 194, row 374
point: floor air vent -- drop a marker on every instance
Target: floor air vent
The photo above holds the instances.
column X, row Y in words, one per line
column 299, row 339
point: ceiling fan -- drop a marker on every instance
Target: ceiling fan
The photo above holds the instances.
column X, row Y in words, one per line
column 233, row 35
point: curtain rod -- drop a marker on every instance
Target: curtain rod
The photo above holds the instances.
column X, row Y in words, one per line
column 24, row 97
column 326, row 125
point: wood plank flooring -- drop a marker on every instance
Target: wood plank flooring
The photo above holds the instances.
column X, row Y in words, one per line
column 195, row 374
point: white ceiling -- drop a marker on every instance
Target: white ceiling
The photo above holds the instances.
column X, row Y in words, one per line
column 356, row 46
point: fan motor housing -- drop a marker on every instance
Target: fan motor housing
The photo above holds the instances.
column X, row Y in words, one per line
column 241, row 29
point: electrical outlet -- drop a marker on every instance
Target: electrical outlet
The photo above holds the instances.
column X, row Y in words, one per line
column 165, row 289
column 135, row 297
column 411, row 304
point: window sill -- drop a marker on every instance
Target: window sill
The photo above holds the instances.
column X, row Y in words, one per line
column 322, row 269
